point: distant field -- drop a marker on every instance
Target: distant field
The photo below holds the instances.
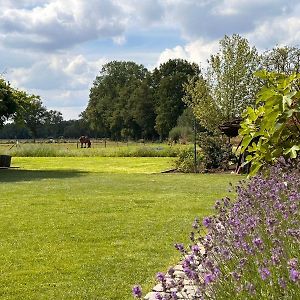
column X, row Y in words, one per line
column 90, row 228
column 45, row 148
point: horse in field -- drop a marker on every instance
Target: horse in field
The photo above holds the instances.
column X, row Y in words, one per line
column 85, row 142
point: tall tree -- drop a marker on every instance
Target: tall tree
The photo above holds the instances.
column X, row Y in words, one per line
column 228, row 86
column 53, row 123
column 169, row 80
column 108, row 109
column 142, row 106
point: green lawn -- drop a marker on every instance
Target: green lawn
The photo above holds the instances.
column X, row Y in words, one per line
column 90, row 228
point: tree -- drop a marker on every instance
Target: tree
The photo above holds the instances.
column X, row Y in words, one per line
column 228, row 85
column 53, row 123
column 142, row 106
column 31, row 111
column 8, row 104
column 282, row 60
column 168, row 81
column 109, row 109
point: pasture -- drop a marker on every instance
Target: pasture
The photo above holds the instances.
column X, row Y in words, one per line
column 71, row 148
column 91, row 227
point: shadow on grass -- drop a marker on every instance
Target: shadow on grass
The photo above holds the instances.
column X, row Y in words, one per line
column 15, row 175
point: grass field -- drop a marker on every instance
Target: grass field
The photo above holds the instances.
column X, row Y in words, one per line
column 43, row 148
column 90, row 228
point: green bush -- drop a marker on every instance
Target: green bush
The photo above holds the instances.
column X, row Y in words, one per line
column 216, row 151
column 180, row 133
column 272, row 129
column 185, row 161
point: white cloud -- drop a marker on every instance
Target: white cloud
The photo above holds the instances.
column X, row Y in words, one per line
column 54, row 47
column 198, row 52
column 278, row 31
column 61, row 24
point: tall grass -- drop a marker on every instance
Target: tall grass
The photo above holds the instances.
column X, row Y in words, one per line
column 46, row 150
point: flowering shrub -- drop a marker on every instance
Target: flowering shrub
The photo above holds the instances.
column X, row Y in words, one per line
column 250, row 248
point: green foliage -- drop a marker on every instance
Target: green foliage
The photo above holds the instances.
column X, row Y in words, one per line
column 169, row 91
column 185, row 162
column 228, row 85
column 282, row 60
column 272, row 129
column 121, row 105
column 216, row 151
column 181, row 134
column 8, row 104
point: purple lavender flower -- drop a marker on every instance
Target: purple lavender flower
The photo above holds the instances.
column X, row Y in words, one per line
column 258, row 243
column 282, row 283
column 160, row 277
column 179, row 247
column 207, row 222
column 293, row 263
column 264, row 273
column 191, row 274
column 174, row 295
column 196, row 249
column 137, row 291
column 294, row 275
column 236, row 276
column 158, row 296
column 208, row 278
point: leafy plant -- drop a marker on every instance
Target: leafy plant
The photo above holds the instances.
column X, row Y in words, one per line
column 217, row 153
column 182, row 134
column 272, row 129
column 185, row 161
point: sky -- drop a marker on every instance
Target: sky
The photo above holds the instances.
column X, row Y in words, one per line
column 56, row 48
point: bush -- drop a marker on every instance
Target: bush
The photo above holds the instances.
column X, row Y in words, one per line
column 183, row 134
column 250, row 248
column 217, row 153
column 272, row 128
column 185, row 161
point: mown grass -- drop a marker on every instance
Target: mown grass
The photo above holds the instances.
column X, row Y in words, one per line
column 90, row 228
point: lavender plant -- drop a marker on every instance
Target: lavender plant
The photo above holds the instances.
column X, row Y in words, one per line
column 249, row 249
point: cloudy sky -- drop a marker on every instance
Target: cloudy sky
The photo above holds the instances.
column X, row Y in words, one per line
column 55, row 48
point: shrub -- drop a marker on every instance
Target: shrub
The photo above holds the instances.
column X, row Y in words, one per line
column 272, row 129
column 250, row 248
column 217, row 153
column 179, row 133
column 185, row 161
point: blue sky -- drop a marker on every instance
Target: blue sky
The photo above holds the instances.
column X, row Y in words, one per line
column 55, row 48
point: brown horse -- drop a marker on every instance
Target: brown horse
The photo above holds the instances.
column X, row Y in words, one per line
column 84, row 140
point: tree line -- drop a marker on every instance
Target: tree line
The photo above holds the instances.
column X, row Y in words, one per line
column 127, row 101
